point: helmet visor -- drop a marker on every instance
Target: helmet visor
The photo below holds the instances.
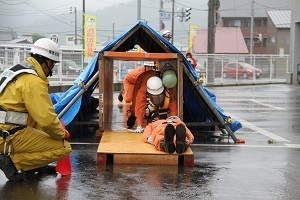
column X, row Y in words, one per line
column 157, row 99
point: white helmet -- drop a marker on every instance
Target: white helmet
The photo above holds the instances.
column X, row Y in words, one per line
column 47, row 48
column 166, row 33
column 155, row 85
column 149, row 63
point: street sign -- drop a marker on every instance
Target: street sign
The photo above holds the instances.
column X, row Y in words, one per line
column 167, row 16
column 54, row 38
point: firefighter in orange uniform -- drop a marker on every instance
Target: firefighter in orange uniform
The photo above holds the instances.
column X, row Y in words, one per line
column 130, row 81
column 168, row 135
column 161, row 99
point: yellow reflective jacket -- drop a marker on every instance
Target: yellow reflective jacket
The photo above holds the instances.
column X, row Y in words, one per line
column 29, row 93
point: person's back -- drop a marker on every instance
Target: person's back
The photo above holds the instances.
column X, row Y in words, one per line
column 130, row 81
column 133, row 74
column 31, row 126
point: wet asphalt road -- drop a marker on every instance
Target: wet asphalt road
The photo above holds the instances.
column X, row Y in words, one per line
column 265, row 167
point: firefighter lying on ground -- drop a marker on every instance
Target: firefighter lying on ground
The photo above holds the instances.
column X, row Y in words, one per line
column 168, row 135
column 31, row 135
column 155, row 92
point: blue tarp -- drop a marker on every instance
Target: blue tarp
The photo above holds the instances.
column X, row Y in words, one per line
column 141, row 38
column 61, row 100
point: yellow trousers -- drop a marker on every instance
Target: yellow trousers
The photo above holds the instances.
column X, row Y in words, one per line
column 33, row 148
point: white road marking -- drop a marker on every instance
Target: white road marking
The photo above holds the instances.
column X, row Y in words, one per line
column 259, row 130
column 254, row 101
column 267, row 105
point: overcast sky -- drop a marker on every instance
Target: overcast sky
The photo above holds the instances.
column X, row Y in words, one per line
column 16, row 12
column 42, row 16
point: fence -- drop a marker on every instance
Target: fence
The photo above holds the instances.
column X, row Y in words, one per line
column 242, row 69
column 214, row 68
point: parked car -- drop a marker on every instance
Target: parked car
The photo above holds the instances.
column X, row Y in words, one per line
column 200, row 69
column 245, row 70
column 69, row 67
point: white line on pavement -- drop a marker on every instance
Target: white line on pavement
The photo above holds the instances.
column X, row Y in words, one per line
column 259, row 130
column 254, row 101
column 267, row 105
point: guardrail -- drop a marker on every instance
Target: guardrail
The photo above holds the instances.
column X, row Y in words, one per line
column 216, row 69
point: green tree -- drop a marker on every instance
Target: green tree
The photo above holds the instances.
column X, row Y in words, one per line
column 37, row 36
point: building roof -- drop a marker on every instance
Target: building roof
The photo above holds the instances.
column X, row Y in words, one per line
column 228, row 40
column 242, row 8
column 25, row 40
column 280, row 18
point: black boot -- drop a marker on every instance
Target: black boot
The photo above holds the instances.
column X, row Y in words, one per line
column 167, row 144
column 48, row 169
column 9, row 169
column 120, row 96
column 180, row 139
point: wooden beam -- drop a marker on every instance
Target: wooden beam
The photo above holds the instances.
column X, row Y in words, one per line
column 137, row 56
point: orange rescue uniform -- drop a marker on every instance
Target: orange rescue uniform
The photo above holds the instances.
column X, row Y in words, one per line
column 129, row 82
column 157, row 130
column 141, row 103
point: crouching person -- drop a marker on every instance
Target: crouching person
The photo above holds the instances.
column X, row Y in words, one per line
column 31, row 135
column 168, row 135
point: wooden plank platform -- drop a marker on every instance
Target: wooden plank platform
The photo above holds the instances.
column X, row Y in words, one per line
column 129, row 148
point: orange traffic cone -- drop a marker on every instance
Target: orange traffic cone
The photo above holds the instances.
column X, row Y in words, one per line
column 63, row 166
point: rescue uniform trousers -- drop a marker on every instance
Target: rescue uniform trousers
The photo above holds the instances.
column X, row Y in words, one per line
column 128, row 90
column 33, row 148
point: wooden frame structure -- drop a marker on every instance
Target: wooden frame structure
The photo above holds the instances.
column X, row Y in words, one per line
column 105, row 65
column 129, row 148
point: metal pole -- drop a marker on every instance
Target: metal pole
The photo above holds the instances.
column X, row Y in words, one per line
column 172, row 21
column 79, row 94
column 113, row 31
column 75, row 26
column 211, row 40
column 83, row 13
column 251, row 31
column 161, row 3
column 138, row 9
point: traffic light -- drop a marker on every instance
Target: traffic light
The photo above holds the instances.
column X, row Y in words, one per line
column 187, row 14
column 180, row 14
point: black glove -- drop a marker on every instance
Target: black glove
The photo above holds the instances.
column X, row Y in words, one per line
column 131, row 121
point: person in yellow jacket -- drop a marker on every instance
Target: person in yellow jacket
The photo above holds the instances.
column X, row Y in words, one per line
column 168, row 135
column 31, row 135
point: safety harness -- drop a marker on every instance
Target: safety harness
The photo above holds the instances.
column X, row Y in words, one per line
column 9, row 74
column 18, row 119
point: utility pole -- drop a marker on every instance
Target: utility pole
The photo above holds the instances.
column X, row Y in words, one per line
column 211, row 40
column 172, row 21
column 161, row 6
column 83, row 30
column 113, row 31
column 251, row 31
column 75, row 12
column 138, row 9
